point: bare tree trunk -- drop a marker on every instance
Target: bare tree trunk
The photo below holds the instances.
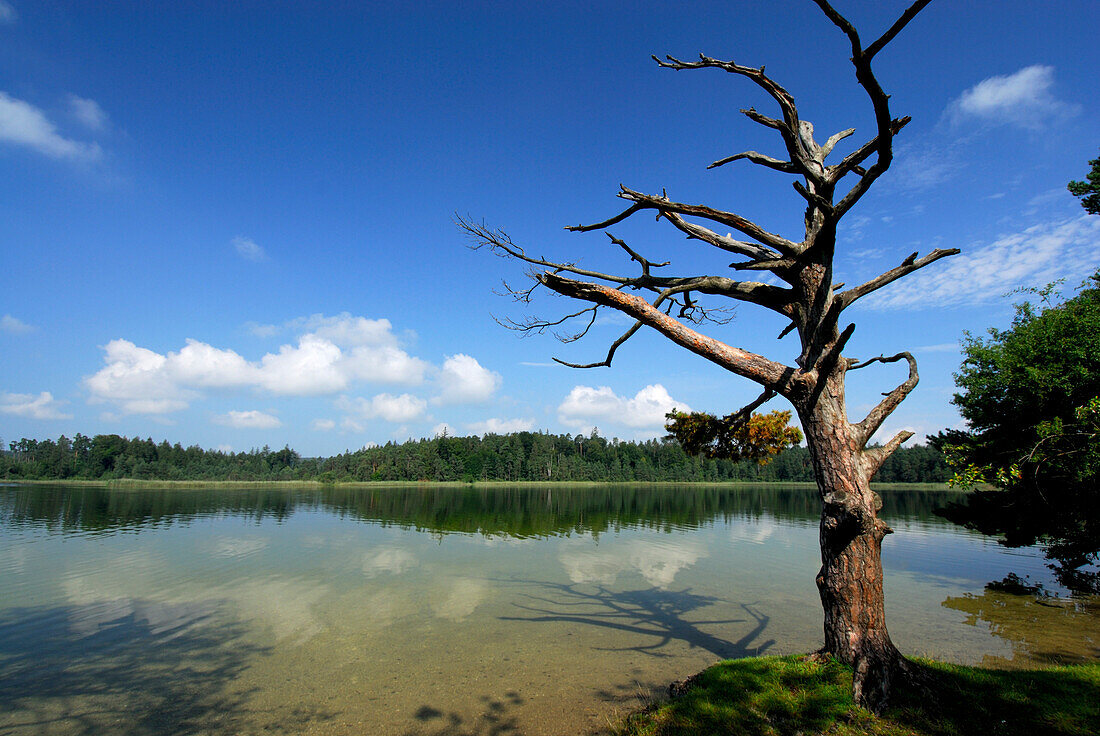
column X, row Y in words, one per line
column 850, row 580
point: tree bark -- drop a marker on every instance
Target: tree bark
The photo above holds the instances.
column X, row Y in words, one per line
column 850, row 579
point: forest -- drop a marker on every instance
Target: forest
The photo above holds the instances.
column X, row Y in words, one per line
column 521, row 456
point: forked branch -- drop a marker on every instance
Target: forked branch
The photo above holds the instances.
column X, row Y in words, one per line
column 880, row 101
column 871, row 423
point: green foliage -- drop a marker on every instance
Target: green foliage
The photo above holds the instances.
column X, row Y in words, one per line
column 1032, row 397
column 1026, row 393
column 758, row 437
column 524, row 456
column 770, row 696
column 1089, row 191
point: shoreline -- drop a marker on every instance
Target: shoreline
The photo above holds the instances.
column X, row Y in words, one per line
column 137, row 484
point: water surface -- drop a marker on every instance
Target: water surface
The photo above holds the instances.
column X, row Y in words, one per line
column 453, row 611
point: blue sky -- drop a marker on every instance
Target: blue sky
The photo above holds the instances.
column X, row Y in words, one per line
column 232, row 224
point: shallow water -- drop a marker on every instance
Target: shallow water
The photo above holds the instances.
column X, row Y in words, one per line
column 452, row 611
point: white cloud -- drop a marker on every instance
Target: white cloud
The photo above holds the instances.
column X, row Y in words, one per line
column 1024, row 98
column 308, row 369
column 88, row 112
column 463, row 380
column 384, row 364
column 585, row 406
column 199, row 364
column 23, row 124
column 14, row 326
column 403, row 408
column 7, row 12
column 322, row 425
column 501, row 426
column 1037, row 256
column 345, row 329
column 248, row 249
column 43, row 406
column 137, row 380
column 343, row 350
column 442, row 430
column 248, row 420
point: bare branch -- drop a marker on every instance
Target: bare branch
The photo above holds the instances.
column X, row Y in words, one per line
column 755, row 367
column 772, row 297
column 500, row 243
column 758, row 158
column 578, row 335
column 535, row 325
column 833, row 140
column 813, row 199
column 762, row 80
column 606, row 362
column 742, row 415
column 726, row 243
column 842, row 23
column 754, row 231
column 606, row 223
column 517, row 295
column 797, row 138
column 871, row 423
column 764, row 120
column 910, row 264
column 900, row 23
column 880, row 101
column 643, row 262
column 873, row 457
column 852, row 161
column 774, row 265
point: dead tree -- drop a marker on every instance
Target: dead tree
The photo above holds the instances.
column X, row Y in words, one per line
column 850, row 579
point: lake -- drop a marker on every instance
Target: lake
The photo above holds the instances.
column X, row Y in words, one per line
column 397, row 610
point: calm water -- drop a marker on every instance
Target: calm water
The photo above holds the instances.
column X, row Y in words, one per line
column 448, row 611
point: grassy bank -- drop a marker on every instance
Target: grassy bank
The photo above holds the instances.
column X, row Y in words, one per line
column 785, row 695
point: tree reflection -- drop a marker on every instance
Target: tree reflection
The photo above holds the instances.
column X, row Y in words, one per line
column 1068, row 528
column 1042, row 629
column 518, row 511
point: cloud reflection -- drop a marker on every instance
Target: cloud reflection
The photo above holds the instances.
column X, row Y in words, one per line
column 461, row 599
column 657, row 562
column 391, row 560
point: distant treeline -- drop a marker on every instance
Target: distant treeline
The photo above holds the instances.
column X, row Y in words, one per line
column 522, row 456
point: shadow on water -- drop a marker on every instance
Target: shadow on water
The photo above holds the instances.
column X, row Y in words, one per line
column 497, row 718
column 659, row 615
column 125, row 667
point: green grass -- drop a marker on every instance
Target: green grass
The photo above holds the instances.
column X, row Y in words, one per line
column 771, row 696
